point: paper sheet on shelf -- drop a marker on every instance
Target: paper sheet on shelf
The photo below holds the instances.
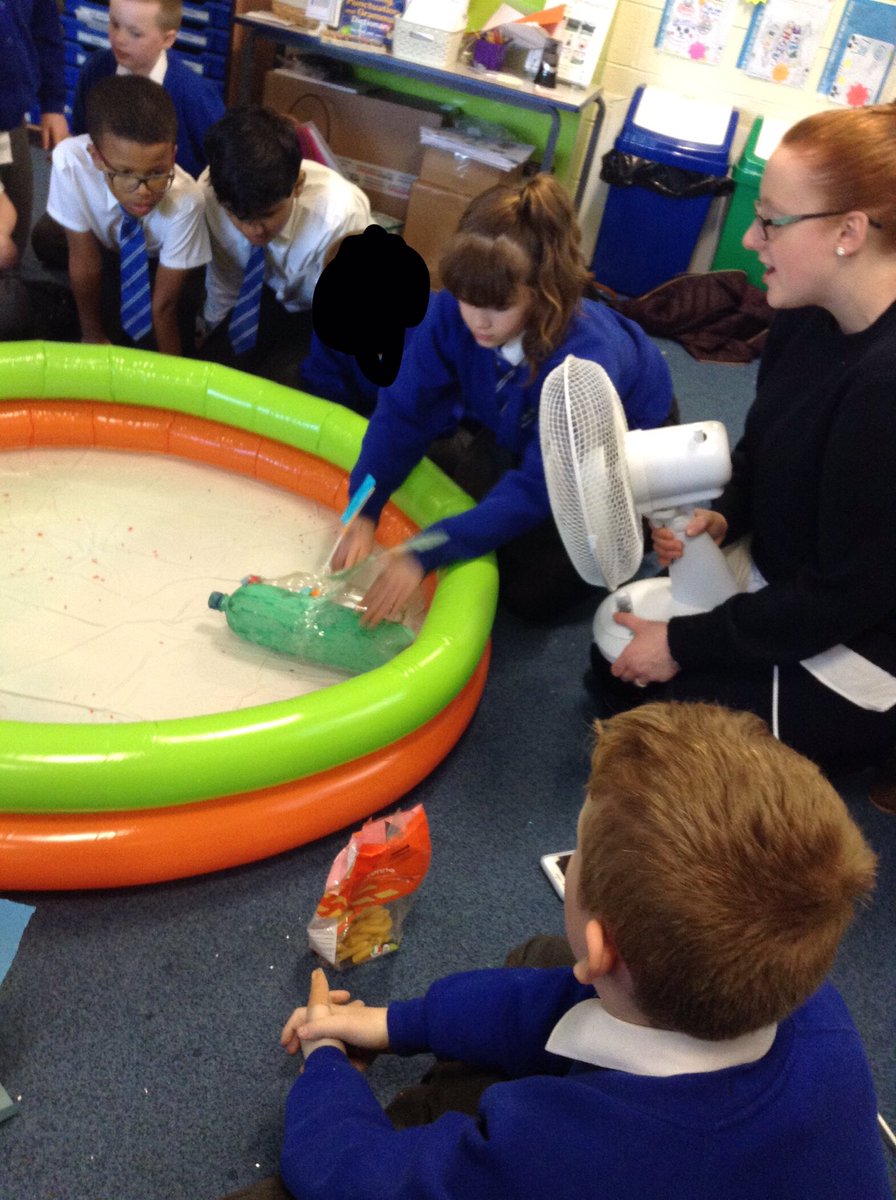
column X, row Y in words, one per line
column 447, row 15
column 504, row 14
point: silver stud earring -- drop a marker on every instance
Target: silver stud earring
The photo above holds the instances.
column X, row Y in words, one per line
column 840, row 251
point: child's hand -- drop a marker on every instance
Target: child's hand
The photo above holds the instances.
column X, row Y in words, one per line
column 337, row 1022
column 53, row 130
column 388, row 595
column 668, row 545
column 331, row 1019
column 320, row 1002
column 354, row 545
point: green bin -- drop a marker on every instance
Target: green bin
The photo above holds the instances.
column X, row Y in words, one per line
column 747, row 173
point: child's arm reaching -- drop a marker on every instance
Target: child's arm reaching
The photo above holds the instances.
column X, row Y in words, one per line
column 387, row 597
column 355, row 544
column 165, row 297
column 85, row 273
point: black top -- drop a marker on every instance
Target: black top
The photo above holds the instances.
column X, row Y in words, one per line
column 814, row 482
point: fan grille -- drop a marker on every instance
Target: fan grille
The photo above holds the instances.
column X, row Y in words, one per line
column 582, row 429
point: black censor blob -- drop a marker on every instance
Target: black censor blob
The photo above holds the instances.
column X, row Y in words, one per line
column 374, row 289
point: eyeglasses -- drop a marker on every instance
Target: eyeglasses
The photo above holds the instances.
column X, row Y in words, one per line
column 766, row 223
column 128, row 182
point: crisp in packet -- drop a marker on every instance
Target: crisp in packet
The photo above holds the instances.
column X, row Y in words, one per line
column 370, row 889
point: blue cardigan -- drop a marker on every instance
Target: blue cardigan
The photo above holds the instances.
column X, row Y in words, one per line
column 197, row 102
column 33, row 60
column 446, row 376
column 798, row 1124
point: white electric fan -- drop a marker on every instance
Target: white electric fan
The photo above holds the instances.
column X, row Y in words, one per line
column 603, row 478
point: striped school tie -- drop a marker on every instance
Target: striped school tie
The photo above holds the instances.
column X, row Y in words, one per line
column 244, row 318
column 136, row 301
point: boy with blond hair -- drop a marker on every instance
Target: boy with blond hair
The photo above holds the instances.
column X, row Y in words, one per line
column 693, row 1051
column 141, row 36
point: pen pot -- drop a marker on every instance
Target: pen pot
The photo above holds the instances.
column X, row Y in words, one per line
column 489, row 54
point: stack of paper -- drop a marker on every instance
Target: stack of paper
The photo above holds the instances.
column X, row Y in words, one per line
column 494, row 151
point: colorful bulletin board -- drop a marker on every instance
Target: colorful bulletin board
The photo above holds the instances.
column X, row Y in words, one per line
column 783, row 39
column 861, row 54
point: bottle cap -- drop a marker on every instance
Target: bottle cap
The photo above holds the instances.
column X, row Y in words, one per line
column 216, row 600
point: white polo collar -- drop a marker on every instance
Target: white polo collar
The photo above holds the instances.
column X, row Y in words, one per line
column 157, row 74
column 513, row 350
column 587, row 1033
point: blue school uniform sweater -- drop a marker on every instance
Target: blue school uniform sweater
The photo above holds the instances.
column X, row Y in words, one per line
column 32, row 60
column 196, row 100
column 446, row 376
column 798, row 1124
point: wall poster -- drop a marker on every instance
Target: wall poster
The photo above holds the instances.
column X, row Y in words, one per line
column 783, row 39
column 861, row 54
column 695, row 29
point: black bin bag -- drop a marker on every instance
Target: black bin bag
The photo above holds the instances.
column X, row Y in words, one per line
column 676, row 183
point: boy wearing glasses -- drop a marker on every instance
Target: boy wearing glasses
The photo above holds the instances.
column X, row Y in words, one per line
column 133, row 219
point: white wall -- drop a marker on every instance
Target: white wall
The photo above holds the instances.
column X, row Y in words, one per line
column 630, row 58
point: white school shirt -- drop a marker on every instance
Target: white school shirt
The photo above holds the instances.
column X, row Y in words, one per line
column 328, row 207
column 157, row 74
column 81, row 200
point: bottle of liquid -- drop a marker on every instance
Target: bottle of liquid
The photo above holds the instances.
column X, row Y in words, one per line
column 311, row 627
column 334, row 587
column 550, row 57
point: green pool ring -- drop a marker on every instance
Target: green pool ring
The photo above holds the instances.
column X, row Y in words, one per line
column 89, row 768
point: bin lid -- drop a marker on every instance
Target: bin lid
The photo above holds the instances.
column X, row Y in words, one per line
column 772, row 129
column 765, row 133
column 682, row 118
column 668, row 128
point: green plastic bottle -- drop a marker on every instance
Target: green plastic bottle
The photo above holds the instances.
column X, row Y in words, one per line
column 314, row 628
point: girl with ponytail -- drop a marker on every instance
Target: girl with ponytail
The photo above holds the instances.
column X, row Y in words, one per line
column 468, row 390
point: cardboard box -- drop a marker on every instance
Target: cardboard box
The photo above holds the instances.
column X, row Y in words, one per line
column 433, row 214
column 460, row 173
column 373, row 132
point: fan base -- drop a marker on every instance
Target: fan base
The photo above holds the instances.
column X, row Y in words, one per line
column 650, row 599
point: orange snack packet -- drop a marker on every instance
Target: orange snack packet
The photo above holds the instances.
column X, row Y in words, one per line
column 370, row 889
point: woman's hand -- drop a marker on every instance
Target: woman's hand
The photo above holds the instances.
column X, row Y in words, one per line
column 668, row 545
column 388, row 595
column 354, row 545
column 646, row 658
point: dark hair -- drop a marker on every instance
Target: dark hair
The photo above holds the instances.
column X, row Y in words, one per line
column 131, row 107
column 851, row 154
column 254, row 159
column 520, row 237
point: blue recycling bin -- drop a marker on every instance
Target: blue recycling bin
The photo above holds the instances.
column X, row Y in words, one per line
column 669, row 161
